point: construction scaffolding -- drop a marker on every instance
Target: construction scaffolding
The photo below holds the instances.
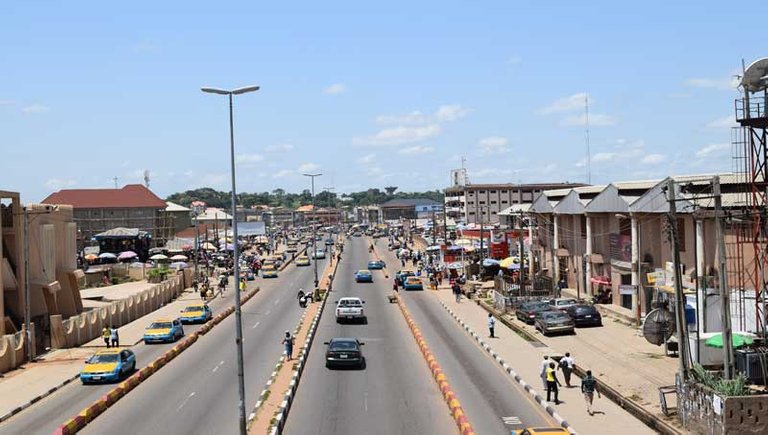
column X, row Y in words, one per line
column 161, row 226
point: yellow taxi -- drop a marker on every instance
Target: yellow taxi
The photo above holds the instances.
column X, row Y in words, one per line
column 302, row 260
column 196, row 313
column 269, row 271
column 108, row 365
column 163, row 331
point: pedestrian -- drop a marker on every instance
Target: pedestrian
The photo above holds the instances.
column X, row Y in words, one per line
column 588, row 388
column 491, row 325
column 543, row 371
column 288, row 342
column 456, row 291
column 552, row 382
column 114, row 336
column 566, row 365
column 396, row 284
column 105, row 334
column 242, row 284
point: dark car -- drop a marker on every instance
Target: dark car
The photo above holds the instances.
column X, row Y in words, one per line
column 363, row 276
column 527, row 311
column 346, row 352
column 376, row 265
column 553, row 321
column 585, row 315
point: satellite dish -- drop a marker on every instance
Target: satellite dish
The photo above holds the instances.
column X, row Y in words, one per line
column 756, row 76
column 659, row 325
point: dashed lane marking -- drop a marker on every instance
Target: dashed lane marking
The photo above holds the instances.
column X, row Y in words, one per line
column 192, row 394
column 513, row 421
column 256, row 324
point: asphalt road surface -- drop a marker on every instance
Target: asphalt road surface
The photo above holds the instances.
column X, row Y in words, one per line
column 394, row 394
column 199, row 369
column 197, row 391
column 494, row 403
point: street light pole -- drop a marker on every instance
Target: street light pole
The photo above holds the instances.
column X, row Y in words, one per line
column 27, row 292
column 238, row 311
column 314, row 226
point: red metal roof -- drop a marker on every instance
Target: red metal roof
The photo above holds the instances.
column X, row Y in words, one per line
column 130, row 196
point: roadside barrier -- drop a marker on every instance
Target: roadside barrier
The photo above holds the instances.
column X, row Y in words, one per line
column 87, row 415
column 457, row 412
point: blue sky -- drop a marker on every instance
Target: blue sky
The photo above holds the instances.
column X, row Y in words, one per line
column 370, row 94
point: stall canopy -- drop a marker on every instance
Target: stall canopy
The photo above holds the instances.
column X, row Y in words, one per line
column 125, row 239
column 246, row 229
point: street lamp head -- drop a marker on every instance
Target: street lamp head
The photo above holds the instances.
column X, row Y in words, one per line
column 245, row 89
column 215, row 91
column 312, row 175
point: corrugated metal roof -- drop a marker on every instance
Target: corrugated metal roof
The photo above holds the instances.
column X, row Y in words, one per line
column 129, row 196
column 173, row 207
column 516, row 208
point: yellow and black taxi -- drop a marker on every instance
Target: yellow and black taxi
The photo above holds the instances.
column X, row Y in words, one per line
column 163, row 331
column 196, row 313
column 269, row 271
column 109, row 365
column 302, row 260
column 541, row 431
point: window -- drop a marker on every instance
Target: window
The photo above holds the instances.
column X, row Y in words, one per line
column 482, row 202
column 504, row 201
column 503, row 192
column 481, row 192
column 493, row 191
column 625, row 227
column 493, row 202
column 583, row 227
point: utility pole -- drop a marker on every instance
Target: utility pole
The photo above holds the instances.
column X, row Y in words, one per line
column 27, row 292
column 682, row 344
column 314, row 226
column 482, row 251
column 521, row 248
column 725, row 310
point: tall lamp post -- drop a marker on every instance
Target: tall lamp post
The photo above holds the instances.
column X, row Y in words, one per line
column 236, row 284
column 314, row 227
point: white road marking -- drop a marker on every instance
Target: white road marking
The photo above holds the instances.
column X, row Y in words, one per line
column 268, row 312
column 511, row 420
column 185, row 401
column 257, row 324
column 277, row 301
column 217, row 367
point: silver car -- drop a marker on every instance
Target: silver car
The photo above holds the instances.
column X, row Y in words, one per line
column 549, row 322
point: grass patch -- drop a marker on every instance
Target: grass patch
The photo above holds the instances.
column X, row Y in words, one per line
column 265, row 396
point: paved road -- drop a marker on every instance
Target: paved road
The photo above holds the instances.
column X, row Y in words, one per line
column 197, row 391
column 394, row 394
column 493, row 402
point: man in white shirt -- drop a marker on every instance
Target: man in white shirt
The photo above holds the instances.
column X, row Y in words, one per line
column 566, row 365
column 543, row 371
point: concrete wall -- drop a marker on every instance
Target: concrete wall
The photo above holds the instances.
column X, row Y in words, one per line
column 734, row 415
column 12, row 350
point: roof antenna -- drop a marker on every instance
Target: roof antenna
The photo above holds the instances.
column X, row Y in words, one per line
column 146, row 178
column 586, row 124
column 115, row 180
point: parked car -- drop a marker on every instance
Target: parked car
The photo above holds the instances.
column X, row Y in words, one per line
column 554, row 321
column 329, row 241
column 163, row 331
column 376, row 265
column 562, row 303
column 350, row 308
column 413, row 283
column 344, row 352
column 526, row 312
column 363, row 276
column 196, row 313
column 108, row 365
column 585, row 315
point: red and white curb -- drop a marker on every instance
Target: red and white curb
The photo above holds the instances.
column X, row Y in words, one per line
column 508, row 369
column 457, row 412
column 87, row 415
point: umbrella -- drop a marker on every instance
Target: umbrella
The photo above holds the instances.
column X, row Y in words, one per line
column 186, row 247
column 433, row 248
column 91, row 257
column 179, row 257
column 126, row 255
column 154, row 251
column 107, row 255
column 227, row 247
column 208, row 246
column 508, row 262
column 158, row 257
column 488, row 262
column 462, row 242
column 179, row 265
column 739, row 339
column 454, row 266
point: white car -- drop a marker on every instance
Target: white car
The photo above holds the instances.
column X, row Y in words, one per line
column 318, row 254
column 350, row 308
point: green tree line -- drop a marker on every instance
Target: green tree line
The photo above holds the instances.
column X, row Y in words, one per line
column 281, row 198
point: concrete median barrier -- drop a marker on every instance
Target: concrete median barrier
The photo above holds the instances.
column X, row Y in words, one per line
column 78, row 422
column 457, row 412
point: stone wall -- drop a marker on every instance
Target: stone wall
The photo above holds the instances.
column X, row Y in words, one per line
column 704, row 412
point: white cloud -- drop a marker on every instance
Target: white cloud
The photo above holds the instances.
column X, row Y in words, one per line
column 36, row 108
column 494, row 145
column 654, row 159
column 722, row 123
column 713, row 150
column 367, row 159
column 514, row 60
column 444, row 113
column 724, row 83
column 214, row 180
column 283, row 173
column 604, row 157
column 595, row 120
column 308, row 167
column 60, row 183
column 567, row 104
column 302, row 169
column 248, row 159
column 279, row 148
column 400, row 135
column 7, row 102
column 336, row 88
column 414, row 150
column 450, row 113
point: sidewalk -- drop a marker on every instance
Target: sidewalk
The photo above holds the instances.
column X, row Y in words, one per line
column 54, row 369
column 525, row 358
